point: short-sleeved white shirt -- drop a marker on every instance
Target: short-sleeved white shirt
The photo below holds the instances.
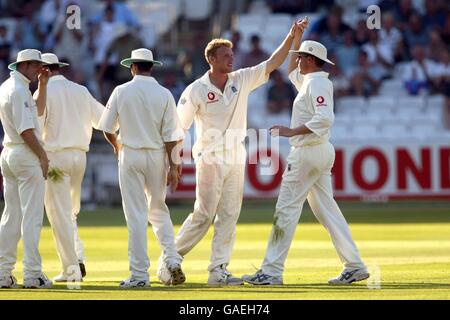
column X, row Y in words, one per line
column 69, row 115
column 18, row 111
column 220, row 117
column 313, row 107
column 145, row 112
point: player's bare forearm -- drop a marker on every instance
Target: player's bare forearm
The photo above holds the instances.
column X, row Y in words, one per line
column 288, row 132
column 41, row 98
column 173, row 152
column 302, row 25
column 279, row 54
column 30, row 139
column 112, row 140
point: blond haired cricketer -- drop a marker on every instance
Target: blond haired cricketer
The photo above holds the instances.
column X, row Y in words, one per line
column 217, row 102
column 146, row 114
column 24, row 165
column 69, row 116
column 308, row 172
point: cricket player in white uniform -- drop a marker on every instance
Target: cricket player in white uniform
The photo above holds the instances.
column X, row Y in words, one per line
column 308, row 172
column 69, row 116
column 24, row 166
column 146, row 114
column 218, row 104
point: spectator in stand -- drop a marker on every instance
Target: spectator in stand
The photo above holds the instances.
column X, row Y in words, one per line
column 445, row 33
column 63, row 40
column 341, row 83
column 322, row 24
column 28, row 30
column 435, row 46
column 192, row 60
column 347, row 54
column 415, row 34
column 256, row 55
column 281, row 95
column 123, row 43
column 388, row 5
column 365, row 80
column 379, row 54
column 101, row 37
column 391, row 35
column 332, row 38
column 403, row 14
column 5, row 50
column 122, row 14
column 292, row 6
column 171, row 81
column 420, row 74
column 435, row 14
column 49, row 13
column 238, row 53
column 361, row 33
column 443, row 73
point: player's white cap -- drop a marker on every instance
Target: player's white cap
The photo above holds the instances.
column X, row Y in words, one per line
column 140, row 55
column 313, row 48
column 26, row 55
column 51, row 58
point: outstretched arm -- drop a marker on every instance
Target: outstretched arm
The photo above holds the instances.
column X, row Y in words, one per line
column 280, row 54
column 303, row 24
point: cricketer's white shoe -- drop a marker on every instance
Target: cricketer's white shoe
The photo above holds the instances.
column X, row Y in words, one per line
column 8, row 281
column 171, row 275
column 262, row 279
column 63, row 278
column 349, row 276
column 220, row 276
column 132, row 282
column 42, row 282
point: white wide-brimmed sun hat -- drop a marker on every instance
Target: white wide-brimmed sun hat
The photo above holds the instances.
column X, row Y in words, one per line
column 26, row 55
column 140, row 55
column 51, row 58
column 313, row 48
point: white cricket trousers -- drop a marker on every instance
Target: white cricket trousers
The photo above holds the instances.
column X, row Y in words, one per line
column 308, row 176
column 142, row 178
column 219, row 192
column 23, row 214
column 62, row 204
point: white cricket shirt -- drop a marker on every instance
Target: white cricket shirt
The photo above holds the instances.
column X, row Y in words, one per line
column 18, row 111
column 313, row 107
column 220, row 117
column 145, row 112
column 69, row 115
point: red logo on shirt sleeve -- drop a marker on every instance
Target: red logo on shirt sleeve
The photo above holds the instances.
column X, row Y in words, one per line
column 320, row 101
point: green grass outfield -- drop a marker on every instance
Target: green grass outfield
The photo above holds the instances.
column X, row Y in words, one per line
column 407, row 242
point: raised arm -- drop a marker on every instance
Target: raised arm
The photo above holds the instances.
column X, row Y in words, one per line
column 303, row 24
column 41, row 96
column 280, row 54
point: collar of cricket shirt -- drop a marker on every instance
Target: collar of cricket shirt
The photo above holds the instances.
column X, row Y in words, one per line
column 21, row 77
column 207, row 81
column 318, row 74
column 146, row 78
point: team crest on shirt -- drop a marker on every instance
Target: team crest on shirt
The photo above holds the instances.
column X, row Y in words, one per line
column 320, row 102
column 234, row 89
column 211, row 97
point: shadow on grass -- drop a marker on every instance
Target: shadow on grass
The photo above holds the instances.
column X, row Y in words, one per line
column 284, row 289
